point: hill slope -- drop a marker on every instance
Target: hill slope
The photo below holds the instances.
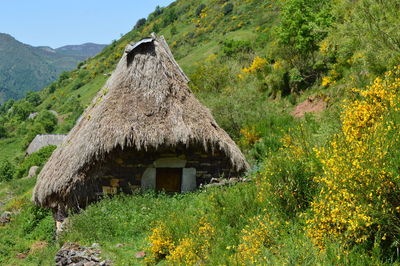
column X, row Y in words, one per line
column 324, row 187
column 26, row 68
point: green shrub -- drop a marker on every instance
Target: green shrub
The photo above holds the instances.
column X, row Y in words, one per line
column 22, row 109
column 232, row 48
column 156, row 13
column 200, row 9
column 3, row 132
column 47, row 120
column 7, row 170
column 228, row 9
column 33, row 98
column 6, row 106
column 31, row 133
column 52, row 87
column 77, row 85
column 64, row 76
column 38, row 158
column 33, row 216
column 169, row 17
column 212, row 76
column 173, row 30
column 140, row 23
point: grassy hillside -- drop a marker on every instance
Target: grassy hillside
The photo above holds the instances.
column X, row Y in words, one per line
column 324, row 187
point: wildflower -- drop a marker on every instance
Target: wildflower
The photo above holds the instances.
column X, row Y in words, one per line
column 257, row 65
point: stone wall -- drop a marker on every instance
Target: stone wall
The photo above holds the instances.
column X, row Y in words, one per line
column 122, row 170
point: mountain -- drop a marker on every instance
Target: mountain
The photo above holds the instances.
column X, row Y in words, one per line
column 86, row 49
column 26, row 68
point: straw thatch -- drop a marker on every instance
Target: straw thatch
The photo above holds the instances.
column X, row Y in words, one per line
column 146, row 103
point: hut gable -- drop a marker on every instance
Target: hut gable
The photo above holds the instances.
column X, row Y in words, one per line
column 41, row 141
column 144, row 108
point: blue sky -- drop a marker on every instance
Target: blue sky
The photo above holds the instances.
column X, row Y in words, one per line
column 56, row 23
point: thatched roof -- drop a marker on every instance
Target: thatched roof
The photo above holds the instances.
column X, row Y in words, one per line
column 145, row 103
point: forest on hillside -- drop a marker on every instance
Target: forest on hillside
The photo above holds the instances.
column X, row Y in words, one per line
column 324, row 185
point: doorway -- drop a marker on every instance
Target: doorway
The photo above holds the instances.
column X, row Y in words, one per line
column 169, row 180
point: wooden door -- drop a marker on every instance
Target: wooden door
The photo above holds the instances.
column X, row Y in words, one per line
column 169, row 180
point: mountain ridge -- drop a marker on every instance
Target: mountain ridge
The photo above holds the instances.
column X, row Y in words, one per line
column 28, row 68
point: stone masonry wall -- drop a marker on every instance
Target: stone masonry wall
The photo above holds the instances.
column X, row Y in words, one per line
column 122, row 170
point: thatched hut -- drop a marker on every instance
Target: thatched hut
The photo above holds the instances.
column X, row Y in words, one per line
column 145, row 129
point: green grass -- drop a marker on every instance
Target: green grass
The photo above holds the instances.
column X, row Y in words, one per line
column 88, row 91
column 29, row 225
column 10, row 148
column 128, row 220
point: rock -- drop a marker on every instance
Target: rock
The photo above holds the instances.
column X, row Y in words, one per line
column 218, row 182
column 33, row 115
column 5, row 218
column 54, row 113
column 75, row 255
column 233, row 180
column 21, row 256
column 6, row 215
column 33, row 171
column 140, row 255
column 224, row 181
column 215, row 180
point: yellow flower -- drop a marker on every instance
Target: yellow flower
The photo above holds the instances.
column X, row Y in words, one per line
column 257, row 65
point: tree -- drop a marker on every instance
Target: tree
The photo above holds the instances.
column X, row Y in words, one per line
column 7, row 105
column 33, row 98
column 22, row 109
column 169, row 17
column 140, row 23
column 304, row 24
column 228, row 9
column 157, row 12
column 47, row 120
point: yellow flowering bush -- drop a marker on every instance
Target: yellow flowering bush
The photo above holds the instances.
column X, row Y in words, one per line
column 285, row 183
column 257, row 65
column 161, row 243
column 324, row 47
column 255, row 237
column 194, row 249
column 358, row 200
column 278, row 64
column 326, row 81
column 189, row 250
column 250, row 136
column 184, row 253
